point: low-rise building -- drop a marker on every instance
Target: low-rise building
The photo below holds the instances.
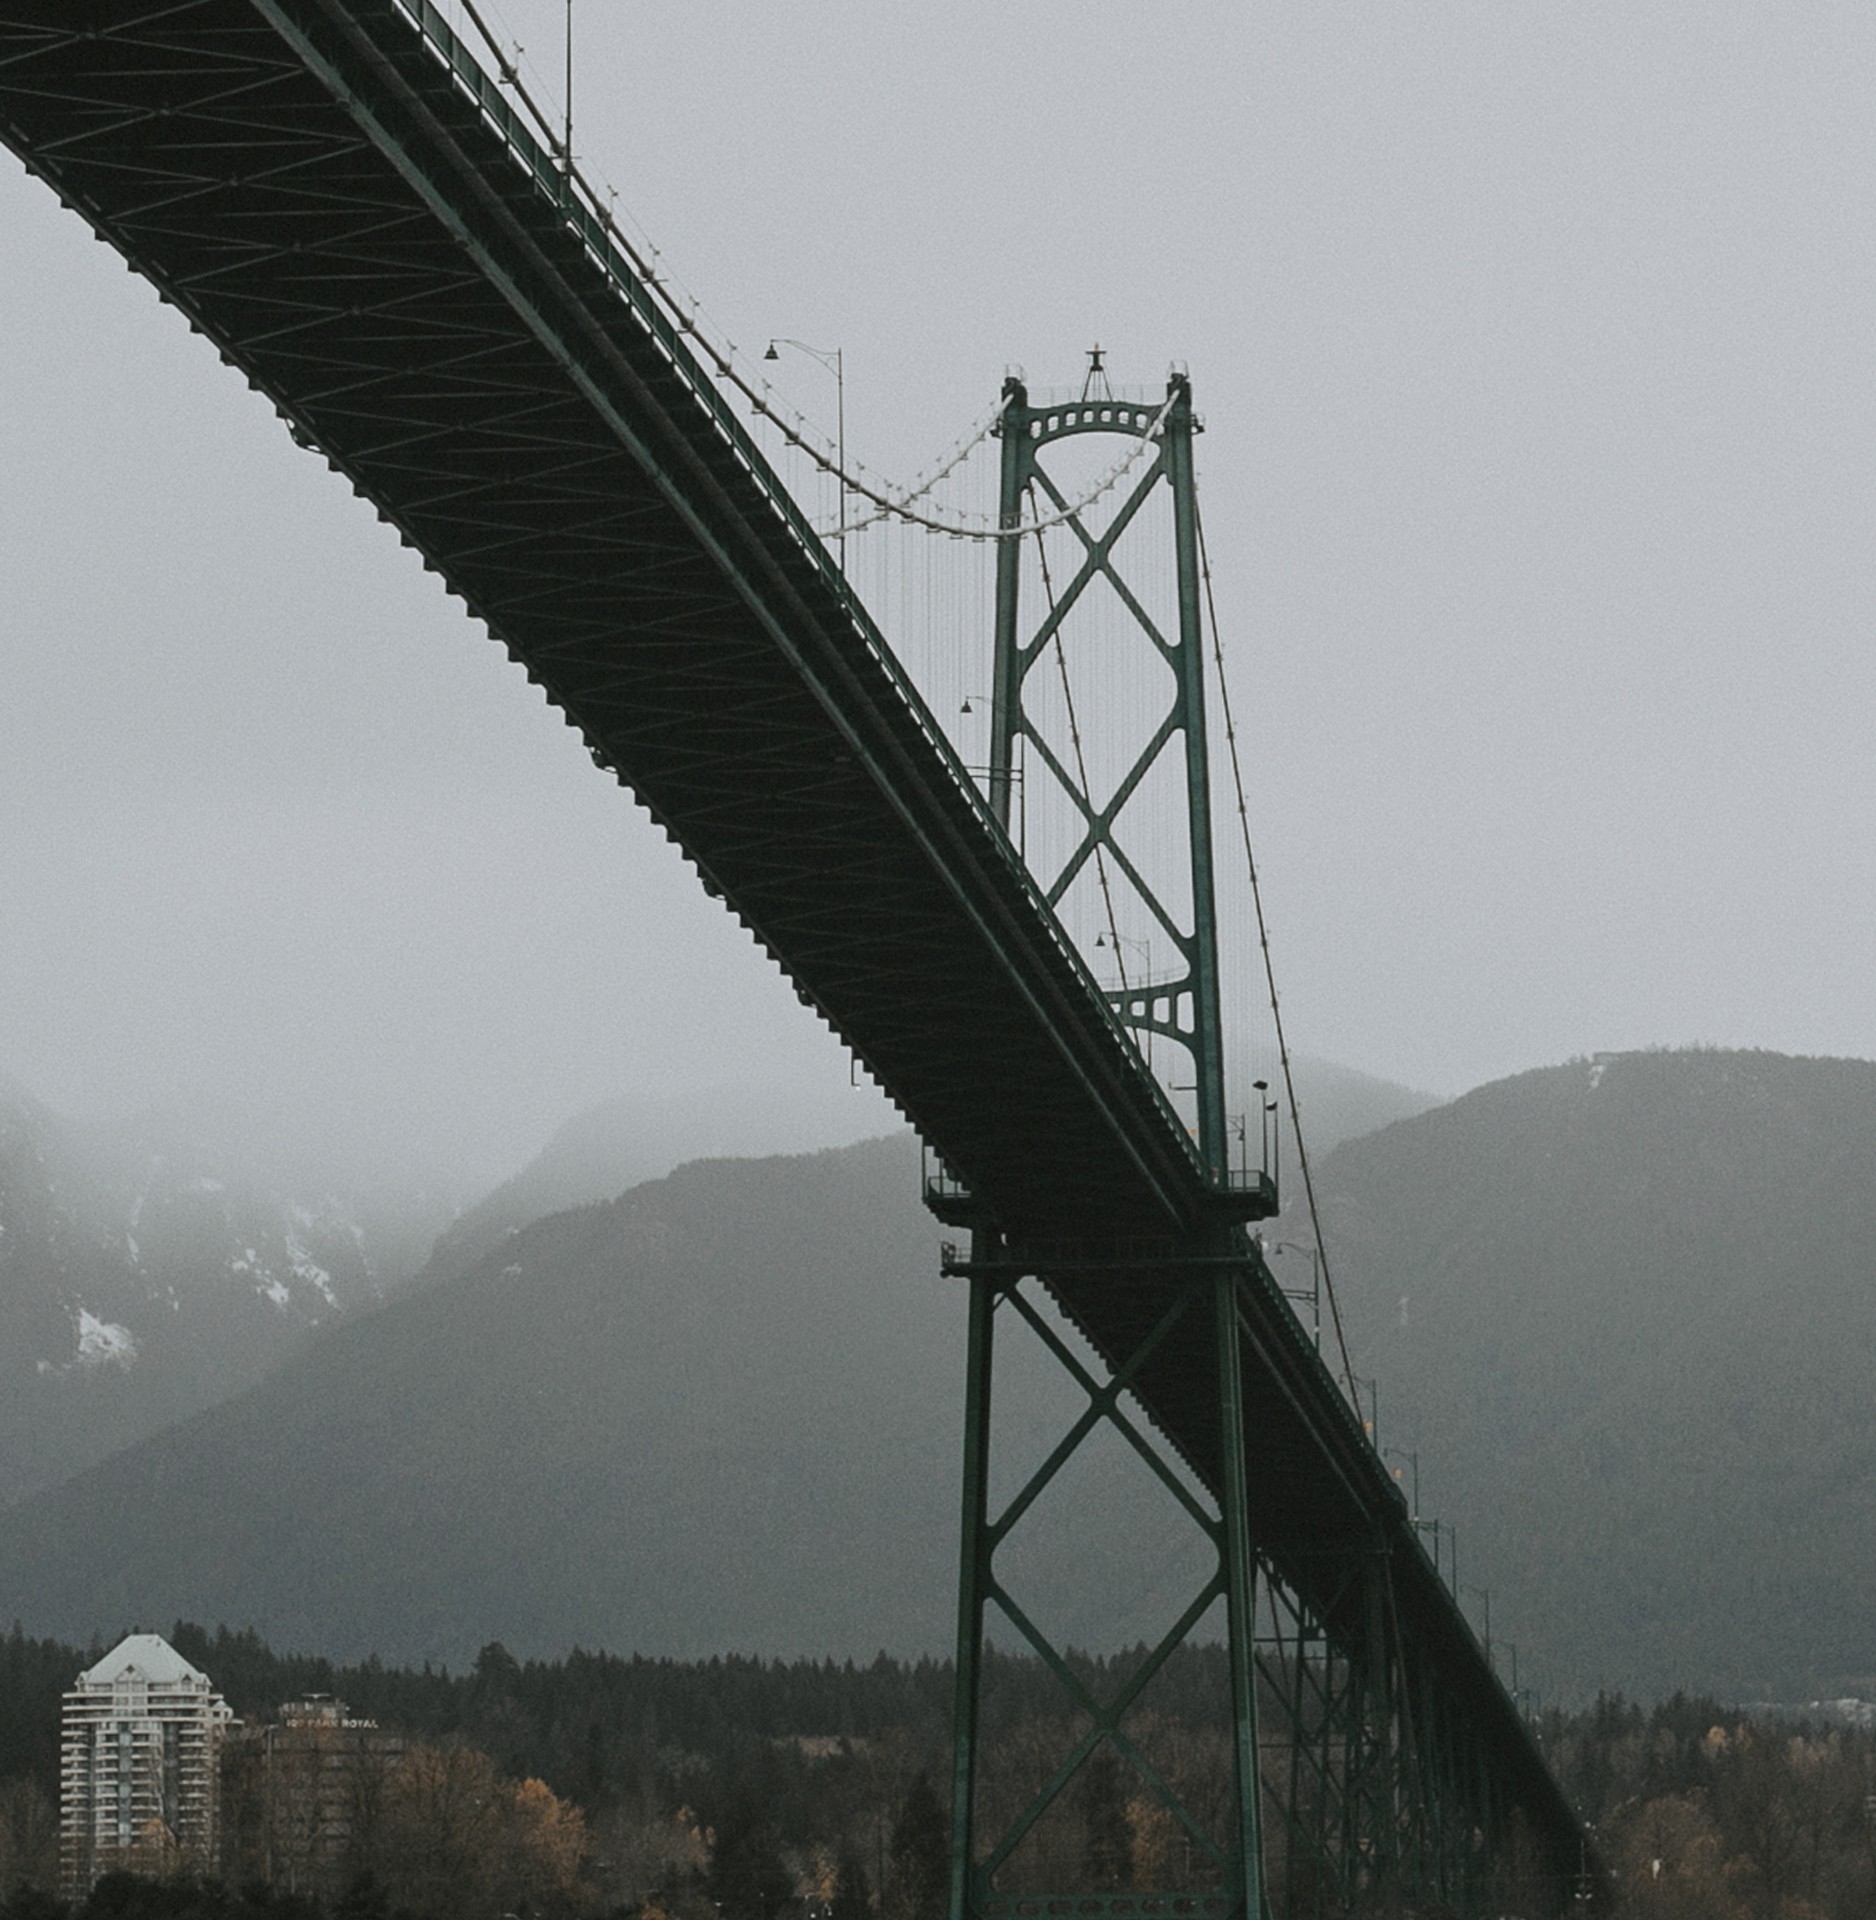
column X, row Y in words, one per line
column 303, row 1795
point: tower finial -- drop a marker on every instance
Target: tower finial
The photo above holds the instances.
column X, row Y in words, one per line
column 1097, row 371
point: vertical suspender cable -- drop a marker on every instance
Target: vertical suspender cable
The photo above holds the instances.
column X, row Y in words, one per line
column 1074, row 734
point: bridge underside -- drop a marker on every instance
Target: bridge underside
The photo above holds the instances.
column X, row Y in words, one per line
column 374, row 243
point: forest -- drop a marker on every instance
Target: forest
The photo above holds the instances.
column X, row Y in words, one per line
column 745, row 1789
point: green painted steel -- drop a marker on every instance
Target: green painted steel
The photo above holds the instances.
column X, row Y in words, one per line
column 1231, row 1854
column 972, row 1579
column 1240, row 1599
column 1352, row 1782
column 1353, row 1779
column 1184, row 1008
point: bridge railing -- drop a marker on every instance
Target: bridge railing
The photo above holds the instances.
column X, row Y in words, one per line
column 528, row 134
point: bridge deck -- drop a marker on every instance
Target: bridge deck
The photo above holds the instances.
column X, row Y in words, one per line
column 358, row 232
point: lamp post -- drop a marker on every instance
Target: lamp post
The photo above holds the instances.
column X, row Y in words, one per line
column 832, row 359
column 1271, row 1130
column 1119, row 943
column 1314, row 1295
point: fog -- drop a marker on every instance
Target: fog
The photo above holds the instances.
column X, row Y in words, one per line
column 1535, row 351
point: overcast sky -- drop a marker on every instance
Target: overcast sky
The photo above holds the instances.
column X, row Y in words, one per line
column 1536, row 347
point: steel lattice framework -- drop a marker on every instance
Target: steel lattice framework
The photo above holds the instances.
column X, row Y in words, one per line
column 347, row 207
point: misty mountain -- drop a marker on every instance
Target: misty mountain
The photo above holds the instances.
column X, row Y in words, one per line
column 721, row 1411
column 1624, row 1310
column 1342, row 1103
column 152, row 1267
column 641, row 1136
column 598, row 1154
column 1621, row 1309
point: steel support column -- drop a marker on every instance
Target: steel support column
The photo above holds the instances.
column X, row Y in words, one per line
column 1250, row 1898
column 972, row 1570
column 1229, row 1854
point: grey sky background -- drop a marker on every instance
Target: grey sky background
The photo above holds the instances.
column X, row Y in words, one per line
column 1535, row 345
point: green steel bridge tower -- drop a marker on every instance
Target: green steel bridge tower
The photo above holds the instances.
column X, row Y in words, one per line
column 1193, row 1287
column 1342, row 1792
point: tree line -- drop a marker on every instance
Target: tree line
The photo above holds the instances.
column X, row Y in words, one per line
column 1707, row 1812
column 747, row 1789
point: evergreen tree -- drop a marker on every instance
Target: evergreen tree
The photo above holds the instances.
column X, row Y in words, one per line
column 748, row 1879
column 1109, row 1845
column 918, row 1865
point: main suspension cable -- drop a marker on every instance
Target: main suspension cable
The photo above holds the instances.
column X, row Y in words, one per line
column 1270, row 974
column 688, row 318
column 899, row 507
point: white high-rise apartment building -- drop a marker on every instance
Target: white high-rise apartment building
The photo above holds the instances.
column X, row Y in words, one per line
column 139, row 1767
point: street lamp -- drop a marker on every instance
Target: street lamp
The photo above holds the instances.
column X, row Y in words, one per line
column 1272, row 1131
column 1118, row 944
column 831, row 358
column 1314, row 1292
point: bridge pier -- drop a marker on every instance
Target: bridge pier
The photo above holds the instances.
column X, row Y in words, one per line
column 1347, row 1781
column 1194, row 1308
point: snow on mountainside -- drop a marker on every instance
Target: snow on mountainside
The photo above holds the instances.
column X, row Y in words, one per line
column 150, row 1268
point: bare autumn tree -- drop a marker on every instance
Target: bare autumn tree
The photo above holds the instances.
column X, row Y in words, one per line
column 852, row 1898
column 1669, row 1861
column 455, row 1840
column 650, row 1850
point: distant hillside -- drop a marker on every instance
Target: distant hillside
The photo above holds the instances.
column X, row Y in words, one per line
column 598, row 1154
column 1341, row 1103
column 1622, row 1308
column 720, row 1412
column 154, row 1267
column 641, row 1136
column 1626, row 1311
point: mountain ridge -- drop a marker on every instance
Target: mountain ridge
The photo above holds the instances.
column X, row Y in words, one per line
column 151, row 1266
column 1620, row 1310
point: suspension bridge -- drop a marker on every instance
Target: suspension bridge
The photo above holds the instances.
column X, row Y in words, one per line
column 357, row 212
